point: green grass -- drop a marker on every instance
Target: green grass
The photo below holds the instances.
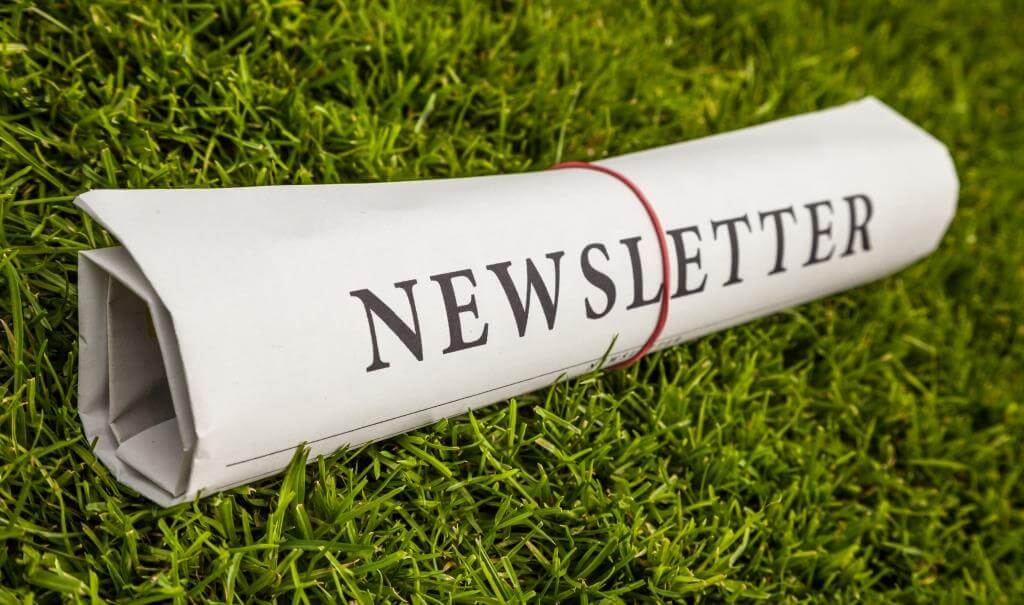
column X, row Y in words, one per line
column 866, row 447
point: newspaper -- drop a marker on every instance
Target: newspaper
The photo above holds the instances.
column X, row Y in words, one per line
column 235, row 325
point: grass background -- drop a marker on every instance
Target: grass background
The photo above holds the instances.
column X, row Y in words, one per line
column 866, row 447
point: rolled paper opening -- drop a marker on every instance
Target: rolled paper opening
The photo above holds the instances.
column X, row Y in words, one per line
column 140, row 397
column 141, row 410
column 132, row 411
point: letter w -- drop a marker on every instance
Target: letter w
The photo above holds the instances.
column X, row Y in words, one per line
column 534, row 281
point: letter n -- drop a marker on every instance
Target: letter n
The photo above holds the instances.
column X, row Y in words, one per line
column 410, row 337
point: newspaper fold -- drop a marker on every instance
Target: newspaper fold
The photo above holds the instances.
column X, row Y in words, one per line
column 236, row 324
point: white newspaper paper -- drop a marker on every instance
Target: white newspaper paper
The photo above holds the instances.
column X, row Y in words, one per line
column 236, row 324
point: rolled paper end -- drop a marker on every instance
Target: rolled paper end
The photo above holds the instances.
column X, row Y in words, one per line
column 131, row 397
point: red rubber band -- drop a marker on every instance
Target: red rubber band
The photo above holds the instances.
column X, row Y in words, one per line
column 662, row 246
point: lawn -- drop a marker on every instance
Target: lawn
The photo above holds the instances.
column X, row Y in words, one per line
column 867, row 447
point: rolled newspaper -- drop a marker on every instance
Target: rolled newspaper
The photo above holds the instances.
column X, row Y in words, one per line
column 235, row 325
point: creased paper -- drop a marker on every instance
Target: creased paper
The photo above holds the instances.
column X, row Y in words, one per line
column 236, row 324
